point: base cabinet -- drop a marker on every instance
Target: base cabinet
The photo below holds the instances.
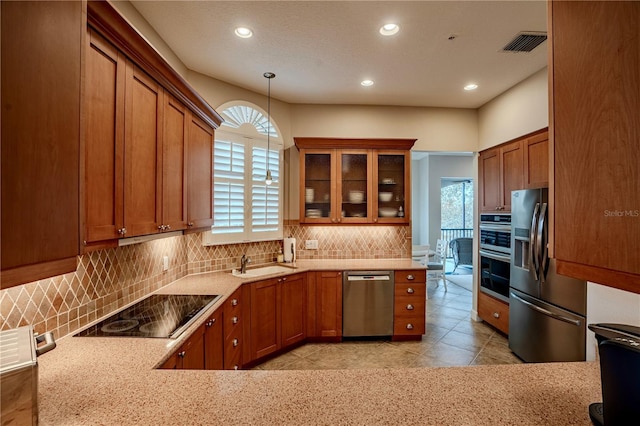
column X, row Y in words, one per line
column 410, row 298
column 494, row 311
column 278, row 314
column 325, row 305
column 213, row 343
column 190, row 355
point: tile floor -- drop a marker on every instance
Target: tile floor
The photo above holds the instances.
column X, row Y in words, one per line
column 452, row 339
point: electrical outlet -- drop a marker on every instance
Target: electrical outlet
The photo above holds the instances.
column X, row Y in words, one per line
column 311, row 244
column 165, row 263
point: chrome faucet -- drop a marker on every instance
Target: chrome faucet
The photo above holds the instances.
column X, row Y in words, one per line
column 243, row 263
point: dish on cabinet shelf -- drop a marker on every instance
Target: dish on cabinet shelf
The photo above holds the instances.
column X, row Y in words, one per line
column 388, row 181
column 387, row 212
column 356, row 196
column 314, row 213
column 385, row 196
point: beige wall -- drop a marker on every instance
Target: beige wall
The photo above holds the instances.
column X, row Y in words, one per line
column 436, row 129
column 520, row 110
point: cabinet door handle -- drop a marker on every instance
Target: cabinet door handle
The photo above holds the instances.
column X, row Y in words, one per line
column 496, row 315
column 409, row 326
column 190, row 224
column 411, row 277
column 234, row 302
column 234, row 320
column 182, row 354
column 235, row 342
column 409, row 307
column 410, row 290
column 235, row 367
column 160, row 227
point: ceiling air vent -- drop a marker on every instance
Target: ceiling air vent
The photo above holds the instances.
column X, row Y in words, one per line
column 525, row 42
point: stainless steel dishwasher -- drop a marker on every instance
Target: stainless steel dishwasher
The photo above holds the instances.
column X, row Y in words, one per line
column 367, row 303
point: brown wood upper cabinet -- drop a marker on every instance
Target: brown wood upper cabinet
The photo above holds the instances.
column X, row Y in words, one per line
column 596, row 140
column 199, row 168
column 147, row 165
column 345, row 181
column 125, row 132
column 42, row 45
column 500, row 172
column 518, row 164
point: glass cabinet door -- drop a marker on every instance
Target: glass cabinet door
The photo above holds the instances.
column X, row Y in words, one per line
column 319, row 185
column 353, row 186
column 392, row 177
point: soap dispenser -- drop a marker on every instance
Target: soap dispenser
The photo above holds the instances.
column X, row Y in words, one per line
column 280, row 255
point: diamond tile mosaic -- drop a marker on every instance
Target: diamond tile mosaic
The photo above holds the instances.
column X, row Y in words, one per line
column 352, row 242
column 107, row 280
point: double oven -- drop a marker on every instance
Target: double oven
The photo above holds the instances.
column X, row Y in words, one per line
column 495, row 254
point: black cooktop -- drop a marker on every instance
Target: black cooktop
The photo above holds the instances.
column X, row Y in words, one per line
column 159, row 315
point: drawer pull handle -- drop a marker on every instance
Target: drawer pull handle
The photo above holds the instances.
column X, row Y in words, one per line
column 235, row 342
column 234, row 320
column 410, row 290
column 496, row 315
column 235, row 367
column 411, row 277
column 409, row 307
column 234, row 302
column 182, row 354
column 409, row 326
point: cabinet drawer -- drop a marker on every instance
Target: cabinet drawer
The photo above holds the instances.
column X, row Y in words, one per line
column 233, row 351
column 408, row 306
column 494, row 311
column 411, row 276
column 416, row 290
column 232, row 313
column 408, row 326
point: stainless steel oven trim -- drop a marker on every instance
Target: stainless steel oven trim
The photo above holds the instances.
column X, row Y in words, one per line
column 495, row 256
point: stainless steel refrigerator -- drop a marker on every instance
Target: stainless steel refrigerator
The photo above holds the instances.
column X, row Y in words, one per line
column 547, row 311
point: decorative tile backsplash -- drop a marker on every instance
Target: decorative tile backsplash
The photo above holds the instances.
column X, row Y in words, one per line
column 109, row 279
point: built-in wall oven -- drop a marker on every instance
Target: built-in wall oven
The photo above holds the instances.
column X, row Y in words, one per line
column 495, row 254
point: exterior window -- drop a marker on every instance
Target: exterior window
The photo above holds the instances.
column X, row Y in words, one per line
column 245, row 208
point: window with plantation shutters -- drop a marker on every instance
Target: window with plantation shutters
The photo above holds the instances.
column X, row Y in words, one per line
column 245, row 208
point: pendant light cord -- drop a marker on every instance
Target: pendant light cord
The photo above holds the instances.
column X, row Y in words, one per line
column 268, row 76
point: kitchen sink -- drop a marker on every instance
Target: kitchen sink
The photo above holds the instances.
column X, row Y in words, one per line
column 259, row 272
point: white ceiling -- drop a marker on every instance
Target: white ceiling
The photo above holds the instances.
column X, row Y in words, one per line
column 321, row 50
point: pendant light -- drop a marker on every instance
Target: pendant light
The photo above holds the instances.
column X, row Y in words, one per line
column 268, row 75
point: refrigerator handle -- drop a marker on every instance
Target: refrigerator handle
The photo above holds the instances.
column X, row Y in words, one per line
column 533, row 258
column 542, row 242
column 546, row 311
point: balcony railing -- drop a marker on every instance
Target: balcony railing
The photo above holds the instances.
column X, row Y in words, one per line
column 452, row 233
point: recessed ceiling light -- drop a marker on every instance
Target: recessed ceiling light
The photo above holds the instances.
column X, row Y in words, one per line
column 243, row 32
column 366, row 83
column 471, row 86
column 389, row 29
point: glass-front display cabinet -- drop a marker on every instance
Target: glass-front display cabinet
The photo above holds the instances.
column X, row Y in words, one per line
column 393, row 187
column 354, row 181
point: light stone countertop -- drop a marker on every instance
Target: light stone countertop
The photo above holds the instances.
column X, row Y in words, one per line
column 112, row 381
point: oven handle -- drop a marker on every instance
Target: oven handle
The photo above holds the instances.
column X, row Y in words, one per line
column 491, row 227
column 495, row 256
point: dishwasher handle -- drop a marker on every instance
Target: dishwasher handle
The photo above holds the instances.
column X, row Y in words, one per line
column 368, row 278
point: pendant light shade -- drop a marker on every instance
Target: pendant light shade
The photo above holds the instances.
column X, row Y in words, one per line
column 268, row 75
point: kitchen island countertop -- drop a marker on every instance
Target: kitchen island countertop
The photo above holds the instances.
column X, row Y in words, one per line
column 112, row 381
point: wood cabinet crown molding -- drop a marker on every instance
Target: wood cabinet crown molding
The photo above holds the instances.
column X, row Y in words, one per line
column 105, row 19
column 341, row 143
